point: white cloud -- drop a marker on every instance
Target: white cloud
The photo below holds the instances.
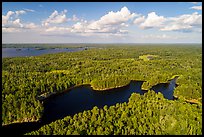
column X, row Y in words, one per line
column 194, row 2
column 74, row 18
column 29, row 10
column 79, row 27
column 17, row 23
column 182, row 23
column 6, row 18
column 13, row 14
column 19, row 12
column 113, row 18
column 177, row 27
column 196, row 7
column 139, row 20
column 56, row 18
column 162, row 36
column 112, row 22
column 58, row 29
column 153, row 20
column 30, row 26
column 124, row 25
column 10, row 30
column 17, row 26
column 116, row 17
column 185, row 23
column 12, row 23
column 123, row 31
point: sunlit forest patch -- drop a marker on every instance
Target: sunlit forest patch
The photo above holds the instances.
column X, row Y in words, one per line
column 147, row 57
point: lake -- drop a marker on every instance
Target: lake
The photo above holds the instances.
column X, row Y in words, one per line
column 22, row 52
column 82, row 98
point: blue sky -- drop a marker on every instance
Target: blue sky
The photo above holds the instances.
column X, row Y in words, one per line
column 101, row 22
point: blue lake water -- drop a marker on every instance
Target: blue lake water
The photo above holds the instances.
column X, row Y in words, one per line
column 22, row 52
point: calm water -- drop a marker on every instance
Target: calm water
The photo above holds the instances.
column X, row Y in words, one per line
column 83, row 98
column 22, row 52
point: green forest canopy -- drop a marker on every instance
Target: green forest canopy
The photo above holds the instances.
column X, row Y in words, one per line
column 25, row 78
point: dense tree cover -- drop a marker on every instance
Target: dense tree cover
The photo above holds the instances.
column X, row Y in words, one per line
column 150, row 114
column 25, row 78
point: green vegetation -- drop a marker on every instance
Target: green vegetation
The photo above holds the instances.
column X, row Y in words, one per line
column 137, row 117
column 147, row 57
column 26, row 78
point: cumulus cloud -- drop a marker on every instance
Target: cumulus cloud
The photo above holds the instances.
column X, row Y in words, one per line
column 79, row 27
column 182, row 23
column 112, row 18
column 18, row 26
column 152, row 20
column 185, row 23
column 30, row 26
column 15, row 23
column 12, row 23
column 196, row 7
column 112, row 22
column 139, row 20
column 56, row 18
column 6, row 17
column 118, row 17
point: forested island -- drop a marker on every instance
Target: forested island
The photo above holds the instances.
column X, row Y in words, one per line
column 25, row 79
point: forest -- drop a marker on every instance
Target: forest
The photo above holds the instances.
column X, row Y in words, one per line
column 24, row 79
column 137, row 117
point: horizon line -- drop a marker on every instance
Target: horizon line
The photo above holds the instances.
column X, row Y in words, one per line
column 105, row 43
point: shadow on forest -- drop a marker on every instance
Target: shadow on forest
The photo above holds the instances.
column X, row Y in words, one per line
column 20, row 128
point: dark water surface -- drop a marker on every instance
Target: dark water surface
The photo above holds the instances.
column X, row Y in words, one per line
column 22, row 52
column 83, row 98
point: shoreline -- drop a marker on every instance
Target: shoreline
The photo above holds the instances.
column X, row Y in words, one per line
column 50, row 95
column 43, row 97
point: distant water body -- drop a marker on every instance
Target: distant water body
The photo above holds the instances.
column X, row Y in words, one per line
column 23, row 52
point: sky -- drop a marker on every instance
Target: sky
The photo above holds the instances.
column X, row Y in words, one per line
column 102, row 22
